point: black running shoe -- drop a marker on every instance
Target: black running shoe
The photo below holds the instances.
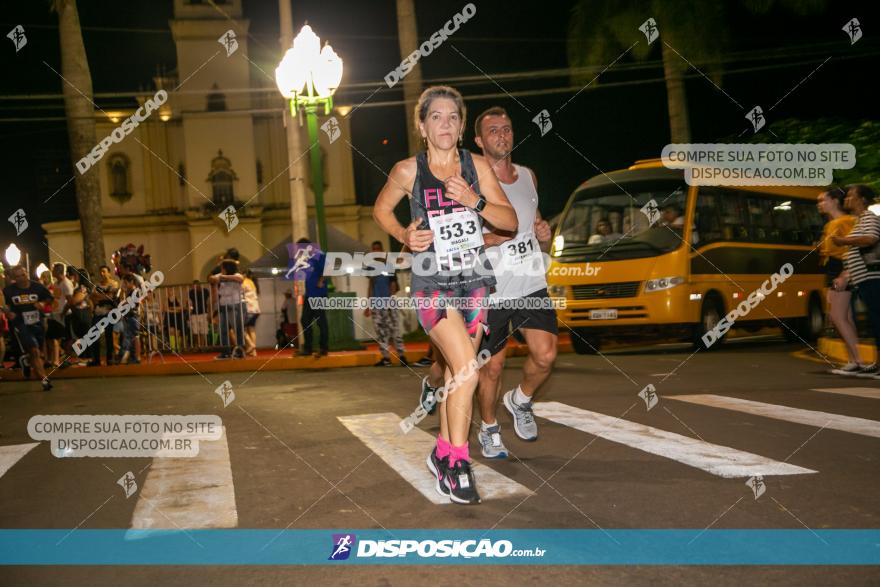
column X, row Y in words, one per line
column 438, row 467
column 462, row 485
column 383, row 363
column 403, row 361
column 423, row 362
column 47, row 385
column 428, row 397
column 25, row 363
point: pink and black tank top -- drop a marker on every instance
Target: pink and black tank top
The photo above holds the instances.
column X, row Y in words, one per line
column 465, row 271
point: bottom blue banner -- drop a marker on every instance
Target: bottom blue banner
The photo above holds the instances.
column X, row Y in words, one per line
column 445, row 547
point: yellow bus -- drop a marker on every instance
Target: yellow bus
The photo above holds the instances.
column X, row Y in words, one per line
column 638, row 253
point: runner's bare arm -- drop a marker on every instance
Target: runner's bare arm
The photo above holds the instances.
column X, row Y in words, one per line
column 498, row 211
column 396, row 188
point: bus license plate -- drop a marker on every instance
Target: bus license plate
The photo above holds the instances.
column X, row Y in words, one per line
column 603, row 314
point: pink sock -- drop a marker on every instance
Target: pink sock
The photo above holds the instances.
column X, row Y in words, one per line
column 458, row 453
column 443, row 447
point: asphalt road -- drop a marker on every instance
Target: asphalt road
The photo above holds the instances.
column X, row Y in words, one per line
column 295, row 464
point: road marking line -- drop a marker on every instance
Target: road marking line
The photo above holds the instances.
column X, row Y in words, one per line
column 869, row 392
column 712, row 458
column 785, row 413
column 9, row 455
column 186, row 493
column 406, row 454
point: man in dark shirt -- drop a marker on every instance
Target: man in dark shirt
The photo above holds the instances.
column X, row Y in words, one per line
column 316, row 288
column 21, row 299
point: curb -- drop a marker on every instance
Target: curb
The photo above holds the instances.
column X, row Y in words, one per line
column 835, row 349
column 282, row 361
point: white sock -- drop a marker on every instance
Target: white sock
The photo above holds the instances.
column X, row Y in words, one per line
column 485, row 427
column 519, row 397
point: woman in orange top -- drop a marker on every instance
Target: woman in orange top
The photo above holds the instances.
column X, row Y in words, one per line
column 830, row 203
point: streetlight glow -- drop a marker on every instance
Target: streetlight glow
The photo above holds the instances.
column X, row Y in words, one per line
column 307, row 70
column 13, row 254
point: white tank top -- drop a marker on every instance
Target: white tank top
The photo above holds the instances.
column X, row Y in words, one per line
column 518, row 263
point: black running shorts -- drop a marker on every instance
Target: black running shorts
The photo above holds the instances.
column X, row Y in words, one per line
column 503, row 321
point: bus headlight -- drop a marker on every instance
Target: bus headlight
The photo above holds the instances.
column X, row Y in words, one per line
column 556, row 291
column 662, row 283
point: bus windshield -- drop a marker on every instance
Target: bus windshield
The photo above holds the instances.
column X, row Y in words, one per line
column 623, row 221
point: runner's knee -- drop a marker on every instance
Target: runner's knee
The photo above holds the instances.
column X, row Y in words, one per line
column 543, row 357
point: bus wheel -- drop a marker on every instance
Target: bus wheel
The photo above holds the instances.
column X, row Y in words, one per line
column 808, row 328
column 585, row 343
column 711, row 313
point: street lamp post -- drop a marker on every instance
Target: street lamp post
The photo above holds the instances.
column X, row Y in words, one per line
column 308, row 77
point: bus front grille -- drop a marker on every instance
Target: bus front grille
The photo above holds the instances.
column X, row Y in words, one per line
column 602, row 291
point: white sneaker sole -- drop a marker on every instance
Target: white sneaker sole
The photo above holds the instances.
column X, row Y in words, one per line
column 433, row 470
column 508, row 403
column 497, row 457
column 500, row 455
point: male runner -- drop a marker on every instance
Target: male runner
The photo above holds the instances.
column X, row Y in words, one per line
column 23, row 313
column 519, row 273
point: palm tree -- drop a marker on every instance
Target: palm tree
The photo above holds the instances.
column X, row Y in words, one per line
column 691, row 32
column 408, row 37
column 80, row 110
column 601, row 30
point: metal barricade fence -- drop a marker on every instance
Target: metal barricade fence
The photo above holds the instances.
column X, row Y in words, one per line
column 190, row 318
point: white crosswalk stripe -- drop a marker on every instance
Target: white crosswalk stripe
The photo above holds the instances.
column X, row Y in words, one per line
column 869, row 392
column 406, row 453
column 189, row 493
column 712, row 458
column 9, row 455
column 785, row 413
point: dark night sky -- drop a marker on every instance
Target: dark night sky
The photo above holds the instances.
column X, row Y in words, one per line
column 611, row 126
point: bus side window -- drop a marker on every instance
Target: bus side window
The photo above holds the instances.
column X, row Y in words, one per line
column 706, row 219
column 734, row 219
column 760, row 220
column 784, row 221
column 809, row 222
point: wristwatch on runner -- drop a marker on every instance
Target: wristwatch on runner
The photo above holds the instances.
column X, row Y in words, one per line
column 480, row 205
